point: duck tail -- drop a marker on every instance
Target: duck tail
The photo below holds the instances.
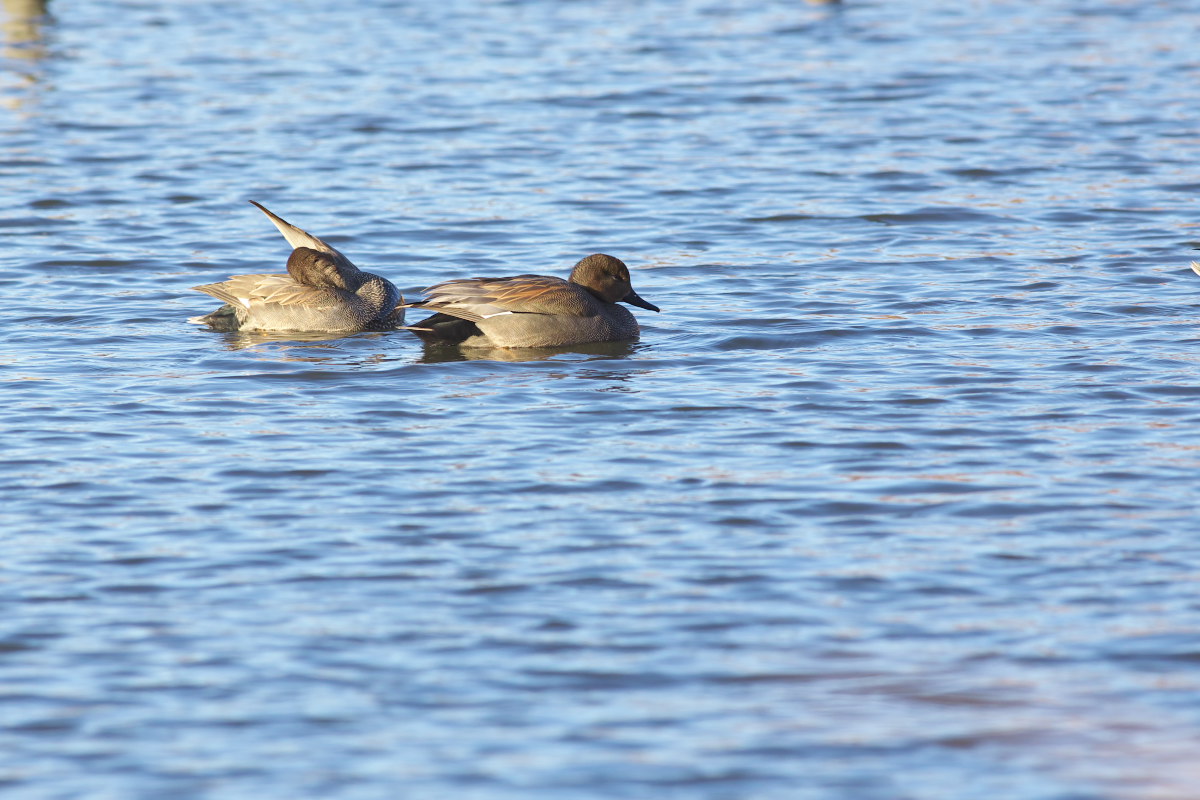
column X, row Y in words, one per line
column 225, row 318
column 445, row 329
column 295, row 236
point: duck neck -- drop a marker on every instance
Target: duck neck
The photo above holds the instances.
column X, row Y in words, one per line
column 378, row 293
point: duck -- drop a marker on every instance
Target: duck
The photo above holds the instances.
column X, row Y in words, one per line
column 534, row 310
column 322, row 291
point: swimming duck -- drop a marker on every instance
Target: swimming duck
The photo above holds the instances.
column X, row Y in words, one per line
column 322, row 291
column 534, row 310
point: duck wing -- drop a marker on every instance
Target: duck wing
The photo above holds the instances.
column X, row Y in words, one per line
column 477, row 299
column 249, row 291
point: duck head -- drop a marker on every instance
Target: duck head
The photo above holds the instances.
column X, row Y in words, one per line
column 608, row 278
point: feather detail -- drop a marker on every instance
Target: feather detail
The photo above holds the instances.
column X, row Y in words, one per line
column 295, row 236
column 477, row 299
column 299, row 238
column 248, row 291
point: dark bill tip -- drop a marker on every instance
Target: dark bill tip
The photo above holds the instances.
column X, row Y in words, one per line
column 633, row 300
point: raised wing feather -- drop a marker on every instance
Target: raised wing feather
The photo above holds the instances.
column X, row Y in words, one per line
column 301, row 238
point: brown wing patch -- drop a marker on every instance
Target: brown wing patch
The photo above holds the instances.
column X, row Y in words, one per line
column 314, row 268
column 479, row 298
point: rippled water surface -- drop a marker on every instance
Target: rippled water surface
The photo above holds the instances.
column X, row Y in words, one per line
column 895, row 499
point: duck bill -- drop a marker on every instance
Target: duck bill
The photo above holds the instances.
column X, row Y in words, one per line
column 633, row 300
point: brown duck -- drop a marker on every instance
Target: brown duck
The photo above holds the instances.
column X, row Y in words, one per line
column 322, row 291
column 534, row 310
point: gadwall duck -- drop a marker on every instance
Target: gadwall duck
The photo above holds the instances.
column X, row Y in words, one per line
column 534, row 310
column 321, row 292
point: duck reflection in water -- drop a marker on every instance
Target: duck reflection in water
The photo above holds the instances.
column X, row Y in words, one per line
column 22, row 27
column 300, row 340
column 21, row 31
column 440, row 353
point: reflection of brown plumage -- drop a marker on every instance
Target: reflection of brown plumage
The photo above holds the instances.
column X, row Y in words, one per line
column 534, row 310
column 322, row 291
column 21, row 27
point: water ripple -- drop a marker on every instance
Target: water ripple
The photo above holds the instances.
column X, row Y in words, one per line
column 895, row 494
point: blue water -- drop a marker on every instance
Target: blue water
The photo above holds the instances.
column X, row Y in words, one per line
column 895, row 500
